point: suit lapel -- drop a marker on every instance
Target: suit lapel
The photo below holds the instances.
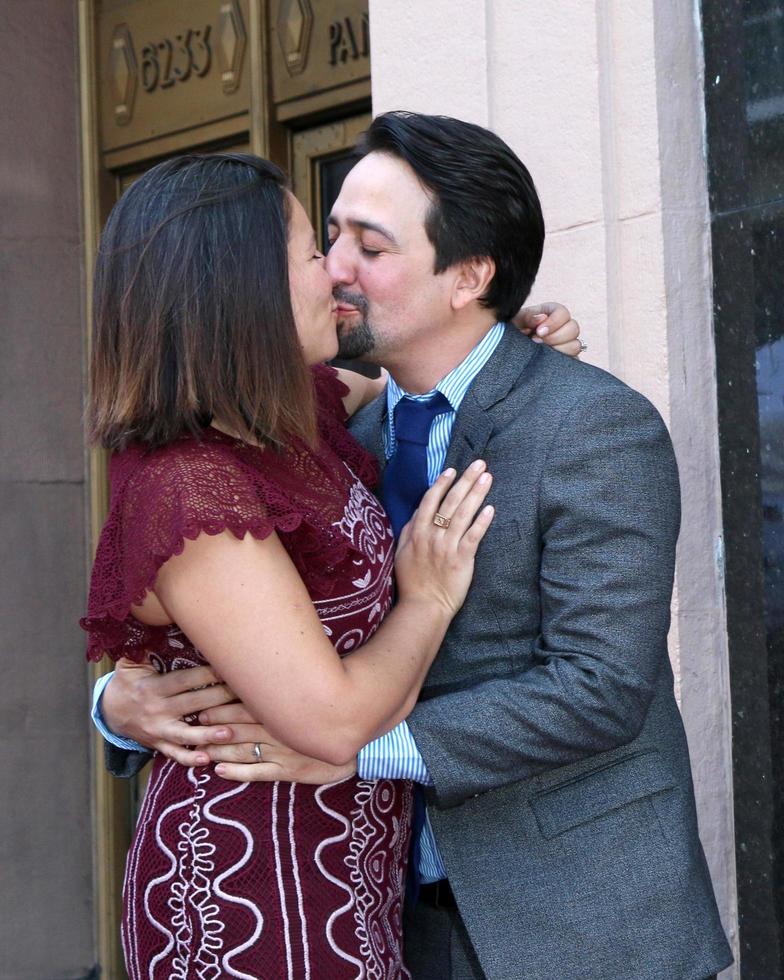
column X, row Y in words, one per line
column 474, row 423
column 475, row 419
column 471, row 432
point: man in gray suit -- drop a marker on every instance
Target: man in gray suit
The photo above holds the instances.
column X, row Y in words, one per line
column 560, row 837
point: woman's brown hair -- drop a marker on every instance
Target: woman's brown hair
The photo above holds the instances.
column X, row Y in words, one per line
column 192, row 311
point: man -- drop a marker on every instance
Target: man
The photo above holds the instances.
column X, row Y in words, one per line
column 560, row 838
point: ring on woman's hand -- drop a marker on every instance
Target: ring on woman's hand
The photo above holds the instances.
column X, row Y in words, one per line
column 257, row 751
column 583, row 347
column 440, row 521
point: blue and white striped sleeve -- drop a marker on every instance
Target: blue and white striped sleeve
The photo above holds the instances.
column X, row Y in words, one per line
column 100, row 724
column 393, row 756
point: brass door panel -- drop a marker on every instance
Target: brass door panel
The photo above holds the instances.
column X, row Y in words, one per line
column 168, row 69
column 118, row 801
column 321, row 157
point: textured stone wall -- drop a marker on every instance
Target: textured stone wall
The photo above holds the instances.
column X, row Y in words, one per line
column 46, row 928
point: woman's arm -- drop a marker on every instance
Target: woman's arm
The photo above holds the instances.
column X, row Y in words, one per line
column 361, row 390
column 243, row 605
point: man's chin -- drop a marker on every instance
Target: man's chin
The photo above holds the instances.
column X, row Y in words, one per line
column 355, row 339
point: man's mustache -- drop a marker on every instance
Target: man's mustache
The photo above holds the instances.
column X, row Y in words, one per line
column 350, row 299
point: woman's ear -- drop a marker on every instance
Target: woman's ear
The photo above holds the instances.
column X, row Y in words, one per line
column 472, row 281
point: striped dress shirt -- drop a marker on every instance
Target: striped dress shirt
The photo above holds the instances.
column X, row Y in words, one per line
column 395, row 755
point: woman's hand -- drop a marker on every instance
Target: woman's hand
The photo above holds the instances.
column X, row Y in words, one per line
column 239, row 762
column 551, row 324
column 436, row 551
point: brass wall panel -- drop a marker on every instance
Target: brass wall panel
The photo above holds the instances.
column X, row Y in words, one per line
column 319, row 54
column 170, row 68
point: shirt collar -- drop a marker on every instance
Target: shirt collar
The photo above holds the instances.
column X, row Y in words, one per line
column 454, row 385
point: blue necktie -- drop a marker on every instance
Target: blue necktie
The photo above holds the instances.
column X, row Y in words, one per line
column 405, row 478
column 405, row 482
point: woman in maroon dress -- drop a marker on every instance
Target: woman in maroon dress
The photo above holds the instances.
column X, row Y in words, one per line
column 241, row 533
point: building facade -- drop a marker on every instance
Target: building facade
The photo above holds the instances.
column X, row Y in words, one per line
column 655, row 134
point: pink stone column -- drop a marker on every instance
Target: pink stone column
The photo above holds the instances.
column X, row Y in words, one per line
column 604, row 104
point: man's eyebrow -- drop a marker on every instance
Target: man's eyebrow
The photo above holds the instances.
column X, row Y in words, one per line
column 367, row 225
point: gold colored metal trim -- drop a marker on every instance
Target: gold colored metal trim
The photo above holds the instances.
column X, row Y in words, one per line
column 137, row 155
column 318, row 142
column 110, row 803
column 325, row 101
column 258, row 77
column 232, row 39
column 267, row 138
column 124, row 74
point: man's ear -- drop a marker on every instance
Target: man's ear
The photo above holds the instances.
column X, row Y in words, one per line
column 472, row 281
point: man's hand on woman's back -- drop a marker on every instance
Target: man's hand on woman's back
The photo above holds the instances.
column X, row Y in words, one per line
column 150, row 708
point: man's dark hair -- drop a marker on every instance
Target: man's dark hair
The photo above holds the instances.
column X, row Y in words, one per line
column 192, row 317
column 484, row 200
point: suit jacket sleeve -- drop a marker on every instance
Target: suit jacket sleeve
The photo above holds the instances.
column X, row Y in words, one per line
column 124, row 762
column 609, row 511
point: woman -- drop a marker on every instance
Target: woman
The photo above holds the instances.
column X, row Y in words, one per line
column 241, row 533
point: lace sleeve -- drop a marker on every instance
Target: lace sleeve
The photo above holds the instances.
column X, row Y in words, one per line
column 333, row 416
column 159, row 501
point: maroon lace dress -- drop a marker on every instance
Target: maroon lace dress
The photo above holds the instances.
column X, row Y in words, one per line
column 256, row 880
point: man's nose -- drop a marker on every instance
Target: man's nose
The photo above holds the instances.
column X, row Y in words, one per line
column 338, row 266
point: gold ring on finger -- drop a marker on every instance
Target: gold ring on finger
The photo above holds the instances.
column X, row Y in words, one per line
column 257, row 751
column 440, row 521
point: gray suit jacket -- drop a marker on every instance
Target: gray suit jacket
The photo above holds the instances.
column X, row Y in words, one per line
column 562, row 800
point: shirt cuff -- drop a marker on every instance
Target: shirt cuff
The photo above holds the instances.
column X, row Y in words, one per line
column 393, row 756
column 100, row 724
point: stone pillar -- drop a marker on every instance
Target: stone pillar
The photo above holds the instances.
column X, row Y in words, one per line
column 46, row 895
column 604, row 103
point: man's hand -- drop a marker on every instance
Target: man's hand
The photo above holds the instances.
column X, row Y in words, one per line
column 551, row 324
column 238, row 760
column 149, row 707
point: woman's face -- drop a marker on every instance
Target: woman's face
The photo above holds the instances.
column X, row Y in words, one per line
column 315, row 310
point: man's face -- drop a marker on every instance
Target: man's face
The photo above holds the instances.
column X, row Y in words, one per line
column 381, row 261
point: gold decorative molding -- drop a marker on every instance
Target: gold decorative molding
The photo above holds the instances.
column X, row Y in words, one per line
column 231, row 45
column 295, row 23
column 110, row 797
column 123, row 74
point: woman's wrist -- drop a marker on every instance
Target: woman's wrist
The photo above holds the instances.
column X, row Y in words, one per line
column 432, row 610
